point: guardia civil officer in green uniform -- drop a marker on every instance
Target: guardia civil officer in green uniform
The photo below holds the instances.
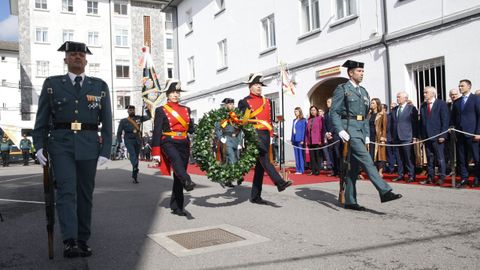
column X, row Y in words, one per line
column 231, row 137
column 5, row 146
column 132, row 136
column 350, row 107
column 74, row 125
column 25, row 146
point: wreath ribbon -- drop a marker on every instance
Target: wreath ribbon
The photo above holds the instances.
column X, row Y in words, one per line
column 247, row 118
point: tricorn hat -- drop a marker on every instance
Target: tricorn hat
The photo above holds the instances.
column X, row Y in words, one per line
column 228, row 100
column 254, row 78
column 352, row 64
column 72, row 46
column 172, row 85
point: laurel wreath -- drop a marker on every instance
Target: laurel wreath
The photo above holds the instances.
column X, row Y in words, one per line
column 202, row 149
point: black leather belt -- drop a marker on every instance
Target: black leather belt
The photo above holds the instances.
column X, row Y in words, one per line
column 354, row 117
column 75, row 126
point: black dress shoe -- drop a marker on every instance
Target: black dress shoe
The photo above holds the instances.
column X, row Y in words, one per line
column 70, row 249
column 229, row 184
column 239, row 182
column 179, row 212
column 462, row 183
column 355, row 207
column 410, row 180
column 400, row 178
column 283, row 186
column 390, row 196
column 428, row 181
column 85, row 250
column 189, row 185
column 259, row 201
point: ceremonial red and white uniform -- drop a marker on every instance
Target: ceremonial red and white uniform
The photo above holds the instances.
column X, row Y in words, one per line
column 170, row 141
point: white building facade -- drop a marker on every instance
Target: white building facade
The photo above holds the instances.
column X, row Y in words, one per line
column 405, row 45
column 114, row 30
column 9, row 78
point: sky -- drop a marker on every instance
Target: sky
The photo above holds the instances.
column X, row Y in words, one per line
column 8, row 23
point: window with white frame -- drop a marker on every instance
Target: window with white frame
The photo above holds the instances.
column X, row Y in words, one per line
column 67, row 35
column 121, row 37
column 122, row 101
column 168, row 21
column 169, row 41
column 429, row 73
column 93, row 38
column 42, row 68
column 310, row 15
column 92, row 7
column 122, row 69
column 94, row 69
column 222, row 54
column 41, row 4
column 189, row 21
column 170, row 72
column 67, row 5
column 268, row 32
column 41, row 34
column 191, row 68
column 120, row 9
column 346, row 8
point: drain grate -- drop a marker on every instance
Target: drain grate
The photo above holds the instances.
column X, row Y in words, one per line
column 205, row 238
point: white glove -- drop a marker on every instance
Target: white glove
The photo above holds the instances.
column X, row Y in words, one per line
column 344, row 136
column 101, row 161
column 223, row 140
column 41, row 158
column 239, row 147
column 367, row 140
column 156, row 158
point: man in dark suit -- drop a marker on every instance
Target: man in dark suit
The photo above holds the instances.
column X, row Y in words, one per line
column 70, row 109
column 261, row 109
column 466, row 117
column 392, row 151
column 434, row 119
column 404, row 129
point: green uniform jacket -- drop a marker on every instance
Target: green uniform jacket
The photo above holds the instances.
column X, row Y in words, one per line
column 59, row 102
column 358, row 104
column 25, row 144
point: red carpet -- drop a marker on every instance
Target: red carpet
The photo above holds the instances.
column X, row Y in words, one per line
column 304, row 179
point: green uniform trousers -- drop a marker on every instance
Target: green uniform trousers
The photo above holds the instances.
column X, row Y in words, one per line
column 75, row 180
column 360, row 157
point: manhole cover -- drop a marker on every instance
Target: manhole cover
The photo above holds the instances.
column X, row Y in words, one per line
column 206, row 238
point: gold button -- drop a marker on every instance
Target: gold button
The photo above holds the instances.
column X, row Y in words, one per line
column 76, row 111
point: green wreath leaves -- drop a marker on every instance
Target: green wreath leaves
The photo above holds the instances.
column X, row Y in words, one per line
column 202, row 149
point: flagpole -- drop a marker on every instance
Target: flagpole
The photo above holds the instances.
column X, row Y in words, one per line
column 281, row 126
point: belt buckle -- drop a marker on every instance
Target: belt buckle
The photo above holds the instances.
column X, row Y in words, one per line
column 179, row 133
column 234, row 135
column 76, row 126
column 359, row 117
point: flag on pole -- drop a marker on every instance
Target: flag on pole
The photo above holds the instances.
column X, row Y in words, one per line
column 150, row 87
column 287, row 84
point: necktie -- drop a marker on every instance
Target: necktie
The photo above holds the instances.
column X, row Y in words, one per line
column 464, row 101
column 77, row 85
column 399, row 110
column 358, row 90
column 429, row 108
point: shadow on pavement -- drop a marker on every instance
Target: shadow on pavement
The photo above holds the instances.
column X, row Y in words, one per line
column 230, row 197
column 123, row 214
column 319, row 196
